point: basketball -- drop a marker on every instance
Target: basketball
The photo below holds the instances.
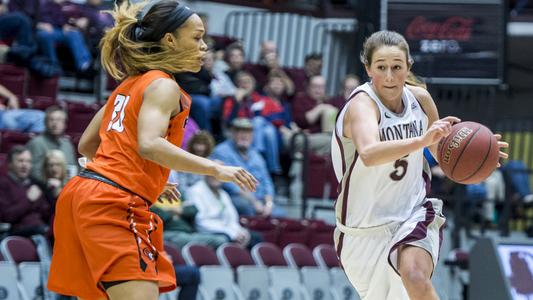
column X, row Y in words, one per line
column 469, row 154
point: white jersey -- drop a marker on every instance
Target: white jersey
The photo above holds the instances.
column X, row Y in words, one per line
column 377, row 195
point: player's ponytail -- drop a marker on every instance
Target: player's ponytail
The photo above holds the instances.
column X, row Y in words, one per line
column 124, row 54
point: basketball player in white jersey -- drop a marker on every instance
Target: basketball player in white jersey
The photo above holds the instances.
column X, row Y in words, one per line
column 388, row 233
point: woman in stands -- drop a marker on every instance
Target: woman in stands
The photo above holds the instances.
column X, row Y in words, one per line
column 108, row 244
column 388, row 232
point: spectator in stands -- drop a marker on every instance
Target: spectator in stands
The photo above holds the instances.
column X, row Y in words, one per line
column 14, row 118
column 98, row 22
column 178, row 221
column 205, row 105
column 279, row 112
column 29, row 8
column 248, row 103
column 311, row 110
column 216, row 213
column 237, row 151
column 55, row 175
column 348, row 85
column 234, row 57
column 54, row 28
column 22, row 200
column 201, row 144
column 269, row 62
column 221, row 85
column 53, row 139
column 312, row 67
column 17, row 27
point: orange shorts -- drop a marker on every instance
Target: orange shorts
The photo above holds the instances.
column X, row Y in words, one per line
column 103, row 233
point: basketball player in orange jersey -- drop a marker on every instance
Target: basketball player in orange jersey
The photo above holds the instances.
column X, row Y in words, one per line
column 108, row 244
column 388, row 233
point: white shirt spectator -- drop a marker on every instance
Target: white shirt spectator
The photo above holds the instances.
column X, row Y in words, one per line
column 216, row 214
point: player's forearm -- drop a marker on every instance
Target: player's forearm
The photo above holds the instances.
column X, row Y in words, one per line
column 389, row 151
column 168, row 155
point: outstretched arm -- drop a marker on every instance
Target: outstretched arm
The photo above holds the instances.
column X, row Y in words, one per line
column 161, row 101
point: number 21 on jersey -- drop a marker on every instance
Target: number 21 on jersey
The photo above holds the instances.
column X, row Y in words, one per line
column 118, row 113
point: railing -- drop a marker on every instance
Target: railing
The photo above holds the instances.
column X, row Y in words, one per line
column 296, row 36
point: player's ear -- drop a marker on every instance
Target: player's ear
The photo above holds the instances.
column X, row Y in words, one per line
column 169, row 40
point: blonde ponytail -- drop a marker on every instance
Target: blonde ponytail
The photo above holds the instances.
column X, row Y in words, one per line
column 122, row 56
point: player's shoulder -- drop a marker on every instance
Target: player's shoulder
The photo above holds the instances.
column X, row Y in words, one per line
column 420, row 93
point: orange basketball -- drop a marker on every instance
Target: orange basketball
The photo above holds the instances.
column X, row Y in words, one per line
column 469, row 154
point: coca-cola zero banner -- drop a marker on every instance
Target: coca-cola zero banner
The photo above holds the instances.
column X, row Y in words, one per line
column 454, row 42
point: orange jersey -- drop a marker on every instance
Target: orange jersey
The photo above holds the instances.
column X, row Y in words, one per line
column 117, row 157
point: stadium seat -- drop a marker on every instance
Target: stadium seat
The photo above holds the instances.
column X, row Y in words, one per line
column 218, row 283
column 285, row 284
column 14, row 79
column 291, row 231
column 18, row 249
column 9, row 285
column 251, row 279
column 199, row 255
column 317, row 283
column 80, row 115
column 233, row 255
column 175, row 254
column 326, row 256
column 269, row 232
column 40, row 102
column 23, row 252
column 268, row 254
column 341, row 288
column 43, row 87
column 10, row 138
column 319, row 233
column 298, row 256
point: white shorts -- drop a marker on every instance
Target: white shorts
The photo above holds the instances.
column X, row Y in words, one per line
column 369, row 256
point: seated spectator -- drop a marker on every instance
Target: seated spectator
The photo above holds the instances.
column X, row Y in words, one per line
column 205, row 105
column 14, row 118
column 277, row 111
column 201, row 144
column 221, row 85
column 234, row 57
column 29, row 8
column 53, row 138
column 178, row 221
column 22, row 200
column 248, row 103
column 216, row 213
column 312, row 67
column 97, row 22
column 237, row 151
column 55, row 175
column 348, row 85
column 17, row 27
column 311, row 110
column 269, row 62
column 54, row 28
column 313, row 114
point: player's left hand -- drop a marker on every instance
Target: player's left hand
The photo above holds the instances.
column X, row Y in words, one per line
column 170, row 193
column 501, row 145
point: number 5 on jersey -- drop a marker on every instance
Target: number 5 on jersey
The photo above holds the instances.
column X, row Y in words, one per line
column 118, row 113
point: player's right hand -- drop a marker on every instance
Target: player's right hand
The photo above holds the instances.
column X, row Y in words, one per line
column 237, row 175
column 438, row 130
